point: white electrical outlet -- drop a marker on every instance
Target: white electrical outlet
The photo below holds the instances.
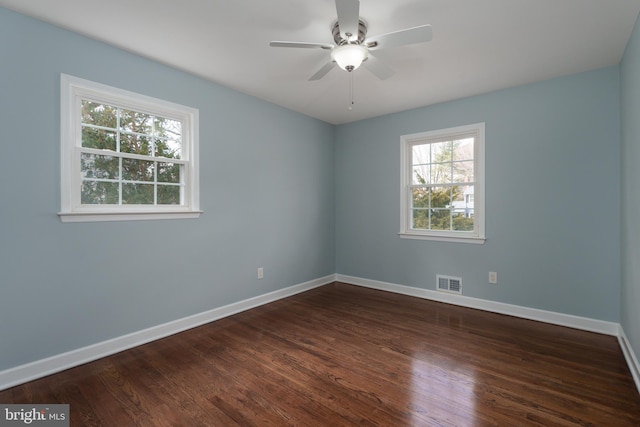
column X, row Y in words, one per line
column 493, row 277
column 260, row 272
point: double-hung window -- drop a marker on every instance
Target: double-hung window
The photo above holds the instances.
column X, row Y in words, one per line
column 125, row 156
column 442, row 194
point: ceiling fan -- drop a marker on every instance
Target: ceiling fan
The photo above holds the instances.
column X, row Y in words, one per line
column 352, row 47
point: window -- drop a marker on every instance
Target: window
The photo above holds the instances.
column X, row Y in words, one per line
column 125, row 156
column 443, row 185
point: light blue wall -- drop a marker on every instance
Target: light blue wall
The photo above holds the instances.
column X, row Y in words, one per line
column 630, row 124
column 552, row 197
column 267, row 195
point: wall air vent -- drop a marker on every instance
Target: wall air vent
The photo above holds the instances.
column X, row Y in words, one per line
column 449, row 284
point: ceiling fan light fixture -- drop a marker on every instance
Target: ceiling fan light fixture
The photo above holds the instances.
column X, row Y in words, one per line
column 349, row 56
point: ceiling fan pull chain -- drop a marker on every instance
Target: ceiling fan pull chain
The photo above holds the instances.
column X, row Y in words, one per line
column 350, row 91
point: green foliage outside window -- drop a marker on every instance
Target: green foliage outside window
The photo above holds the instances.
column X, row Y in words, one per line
column 114, row 179
column 432, row 209
column 434, row 206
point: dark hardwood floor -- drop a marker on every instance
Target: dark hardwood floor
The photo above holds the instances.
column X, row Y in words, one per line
column 345, row 355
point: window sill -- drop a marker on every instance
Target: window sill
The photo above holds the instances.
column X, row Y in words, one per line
column 125, row 216
column 452, row 239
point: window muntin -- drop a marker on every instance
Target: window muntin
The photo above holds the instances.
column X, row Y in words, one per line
column 442, row 182
column 126, row 156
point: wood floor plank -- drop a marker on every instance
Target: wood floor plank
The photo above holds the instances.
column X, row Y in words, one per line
column 343, row 355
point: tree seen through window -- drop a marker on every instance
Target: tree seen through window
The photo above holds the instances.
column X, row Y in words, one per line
column 126, row 157
column 441, row 178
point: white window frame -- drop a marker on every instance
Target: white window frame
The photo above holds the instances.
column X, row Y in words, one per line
column 72, row 91
column 476, row 236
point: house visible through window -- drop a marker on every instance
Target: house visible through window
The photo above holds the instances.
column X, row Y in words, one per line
column 443, row 184
column 126, row 156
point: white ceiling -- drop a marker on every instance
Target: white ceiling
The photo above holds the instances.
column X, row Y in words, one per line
column 478, row 45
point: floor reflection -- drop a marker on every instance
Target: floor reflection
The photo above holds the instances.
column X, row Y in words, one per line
column 442, row 391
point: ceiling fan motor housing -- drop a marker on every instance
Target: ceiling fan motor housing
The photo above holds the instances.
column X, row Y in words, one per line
column 362, row 33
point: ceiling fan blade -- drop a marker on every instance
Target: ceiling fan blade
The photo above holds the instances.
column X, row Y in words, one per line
column 378, row 68
column 420, row 34
column 302, row 45
column 348, row 18
column 323, row 71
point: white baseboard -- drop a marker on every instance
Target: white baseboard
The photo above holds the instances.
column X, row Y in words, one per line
column 630, row 356
column 577, row 322
column 41, row 368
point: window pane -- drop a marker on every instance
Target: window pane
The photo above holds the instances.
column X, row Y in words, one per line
column 135, row 144
column 169, row 172
column 167, row 128
column 420, row 197
column 462, row 208
column 98, row 138
column 168, row 148
column 421, row 154
column 468, row 191
column 99, row 193
column 98, row 114
column 463, row 149
column 99, row 167
column 137, row 194
column 420, row 219
column 462, row 222
column 132, row 121
column 440, row 197
column 441, row 219
column 457, row 197
column 169, row 194
column 463, row 171
column 441, row 173
column 137, row 170
column 421, row 175
column 441, row 151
